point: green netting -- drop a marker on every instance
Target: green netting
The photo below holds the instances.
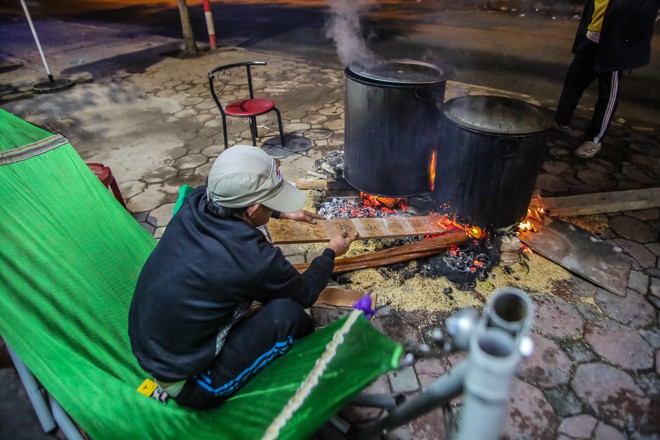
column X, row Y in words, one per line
column 70, row 259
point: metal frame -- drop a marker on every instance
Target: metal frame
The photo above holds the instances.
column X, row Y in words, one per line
column 213, row 74
column 496, row 344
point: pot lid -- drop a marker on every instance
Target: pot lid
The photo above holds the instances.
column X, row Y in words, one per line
column 401, row 71
column 496, row 114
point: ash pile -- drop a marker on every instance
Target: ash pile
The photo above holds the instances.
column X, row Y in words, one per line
column 464, row 265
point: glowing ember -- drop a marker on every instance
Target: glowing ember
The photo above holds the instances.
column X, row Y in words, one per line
column 383, row 202
column 432, row 171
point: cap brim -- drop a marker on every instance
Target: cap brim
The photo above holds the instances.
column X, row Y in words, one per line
column 289, row 199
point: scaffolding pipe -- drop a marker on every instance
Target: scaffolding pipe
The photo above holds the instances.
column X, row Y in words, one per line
column 34, row 393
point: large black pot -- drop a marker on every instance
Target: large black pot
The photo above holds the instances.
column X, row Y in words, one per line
column 491, row 150
column 392, row 118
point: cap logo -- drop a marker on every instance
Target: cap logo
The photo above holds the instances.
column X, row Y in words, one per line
column 277, row 172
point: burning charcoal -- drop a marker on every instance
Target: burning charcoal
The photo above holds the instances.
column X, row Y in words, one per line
column 462, row 265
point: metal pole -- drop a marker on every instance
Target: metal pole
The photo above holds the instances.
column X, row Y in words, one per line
column 36, row 39
column 443, row 390
column 34, row 393
column 64, row 422
column 209, row 23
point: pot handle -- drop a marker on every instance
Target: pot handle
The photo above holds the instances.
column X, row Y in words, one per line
column 506, row 147
column 424, row 94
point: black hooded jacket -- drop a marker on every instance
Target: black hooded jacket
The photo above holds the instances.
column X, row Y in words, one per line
column 201, row 271
column 625, row 38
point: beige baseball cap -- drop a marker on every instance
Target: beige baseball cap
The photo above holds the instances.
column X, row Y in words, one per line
column 243, row 175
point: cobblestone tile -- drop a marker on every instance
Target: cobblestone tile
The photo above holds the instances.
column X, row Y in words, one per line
column 552, row 184
column 363, row 414
column 161, row 215
column 579, row 352
column 612, row 394
column 633, row 229
column 598, row 179
column 564, row 401
column 619, row 345
column 428, row 427
column 638, row 281
column 579, row 427
column 633, row 309
column 530, row 415
column 644, row 214
column 131, row 188
column 396, row 328
column 429, row 370
column 548, row 366
column 556, row 318
column 639, row 252
column 191, row 161
column 606, row 432
column 161, row 174
column 403, row 380
column 146, row 201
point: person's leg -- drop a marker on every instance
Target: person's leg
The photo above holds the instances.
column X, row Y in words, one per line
column 251, row 345
column 608, row 93
column 578, row 77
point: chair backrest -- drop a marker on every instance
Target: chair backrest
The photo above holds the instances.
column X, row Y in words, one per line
column 215, row 75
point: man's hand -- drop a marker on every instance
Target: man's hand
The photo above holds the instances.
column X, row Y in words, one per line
column 341, row 242
column 301, row 216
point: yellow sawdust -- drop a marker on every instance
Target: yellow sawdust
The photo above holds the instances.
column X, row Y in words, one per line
column 596, row 224
column 536, row 275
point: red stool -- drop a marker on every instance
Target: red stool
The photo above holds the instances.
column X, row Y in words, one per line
column 105, row 176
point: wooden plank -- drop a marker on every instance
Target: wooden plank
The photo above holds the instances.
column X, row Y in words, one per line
column 288, row 231
column 398, row 254
column 336, row 296
column 581, row 253
column 311, row 183
column 599, row 203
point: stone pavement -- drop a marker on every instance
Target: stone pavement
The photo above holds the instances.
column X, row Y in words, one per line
column 595, row 371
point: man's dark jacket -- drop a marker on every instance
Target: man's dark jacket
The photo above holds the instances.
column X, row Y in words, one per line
column 625, row 38
column 202, row 269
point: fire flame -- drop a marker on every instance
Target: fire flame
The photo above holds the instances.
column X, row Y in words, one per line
column 526, row 225
column 384, row 203
column 432, row 171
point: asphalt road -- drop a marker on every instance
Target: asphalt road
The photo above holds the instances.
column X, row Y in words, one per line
column 525, row 51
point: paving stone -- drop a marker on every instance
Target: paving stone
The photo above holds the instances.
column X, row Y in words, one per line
column 140, row 216
column 213, row 151
column 579, row 427
column 599, row 179
column 159, row 175
column 403, row 380
column 149, row 228
column 636, row 174
column 190, row 161
column 548, row 366
column 606, row 432
column 619, row 345
column 564, row 401
column 552, row 184
column 638, row 281
column 204, row 170
column 603, row 165
column 146, row 200
column 161, row 216
column 530, row 416
column 396, row 328
column 633, row 229
column 612, row 394
column 158, row 233
column 655, row 287
column 324, row 315
column 579, row 352
column 353, row 414
column 652, row 336
column 557, row 318
column 650, row 384
column 427, row 427
column 632, row 310
column 654, row 247
column 429, row 370
column 644, row 214
column 131, row 188
column 639, row 252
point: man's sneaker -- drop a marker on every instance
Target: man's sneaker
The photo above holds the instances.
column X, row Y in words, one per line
column 560, row 127
column 587, row 150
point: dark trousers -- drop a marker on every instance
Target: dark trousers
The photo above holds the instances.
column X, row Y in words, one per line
column 250, row 345
column 580, row 75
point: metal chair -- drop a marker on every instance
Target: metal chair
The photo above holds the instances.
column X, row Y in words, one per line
column 243, row 108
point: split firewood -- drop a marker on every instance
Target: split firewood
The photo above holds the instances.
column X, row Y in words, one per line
column 311, row 183
column 406, row 252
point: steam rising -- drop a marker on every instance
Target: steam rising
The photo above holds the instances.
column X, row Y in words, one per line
column 344, row 29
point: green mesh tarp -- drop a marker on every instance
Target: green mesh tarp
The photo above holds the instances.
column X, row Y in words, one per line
column 70, row 257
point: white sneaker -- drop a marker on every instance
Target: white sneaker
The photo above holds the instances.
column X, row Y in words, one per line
column 587, row 150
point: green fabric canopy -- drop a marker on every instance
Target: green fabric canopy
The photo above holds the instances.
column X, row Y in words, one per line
column 70, row 256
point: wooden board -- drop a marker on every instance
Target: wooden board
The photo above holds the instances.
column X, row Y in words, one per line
column 581, row 253
column 311, row 183
column 336, row 296
column 599, row 203
column 288, row 231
